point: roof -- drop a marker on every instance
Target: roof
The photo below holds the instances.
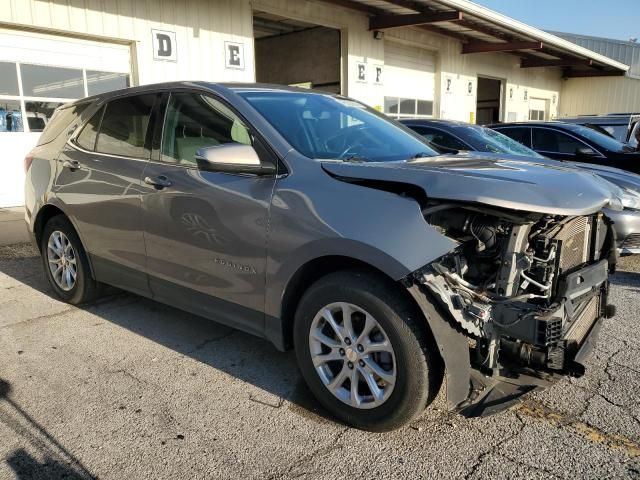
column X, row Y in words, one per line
column 483, row 30
column 620, row 50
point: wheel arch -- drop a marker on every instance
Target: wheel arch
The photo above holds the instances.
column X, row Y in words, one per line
column 47, row 212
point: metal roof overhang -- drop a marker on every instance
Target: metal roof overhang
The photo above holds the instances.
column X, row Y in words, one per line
column 482, row 30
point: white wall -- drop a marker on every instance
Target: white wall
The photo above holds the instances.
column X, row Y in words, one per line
column 201, row 27
column 599, row 96
column 542, row 83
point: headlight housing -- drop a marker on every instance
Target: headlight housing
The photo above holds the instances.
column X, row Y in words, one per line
column 630, row 199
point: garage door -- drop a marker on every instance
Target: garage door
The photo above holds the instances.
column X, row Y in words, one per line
column 537, row 109
column 409, row 80
column 37, row 74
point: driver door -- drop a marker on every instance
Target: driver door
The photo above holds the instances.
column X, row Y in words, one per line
column 205, row 232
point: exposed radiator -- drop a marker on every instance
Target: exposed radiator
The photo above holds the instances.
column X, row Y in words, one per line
column 581, row 325
column 574, row 238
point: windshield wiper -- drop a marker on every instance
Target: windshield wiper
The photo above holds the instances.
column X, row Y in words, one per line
column 422, row 155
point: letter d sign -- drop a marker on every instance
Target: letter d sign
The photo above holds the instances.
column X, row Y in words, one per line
column 164, row 45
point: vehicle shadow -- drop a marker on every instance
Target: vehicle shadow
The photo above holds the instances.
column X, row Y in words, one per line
column 57, row 462
column 243, row 356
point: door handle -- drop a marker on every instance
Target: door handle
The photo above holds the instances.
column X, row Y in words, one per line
column 71, row 164
column 159, row 182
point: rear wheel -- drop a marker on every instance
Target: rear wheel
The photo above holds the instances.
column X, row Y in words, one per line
column 65, row 262
column 363, row 352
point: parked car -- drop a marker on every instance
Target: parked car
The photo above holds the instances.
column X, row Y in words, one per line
column 616, row 125
column 576, row 143
column 316, row 222
column 448, row 136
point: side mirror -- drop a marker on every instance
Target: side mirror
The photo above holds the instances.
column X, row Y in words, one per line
column 232, row 158
column 586, row 152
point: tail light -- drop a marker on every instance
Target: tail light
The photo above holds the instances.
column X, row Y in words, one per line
column 27, row 161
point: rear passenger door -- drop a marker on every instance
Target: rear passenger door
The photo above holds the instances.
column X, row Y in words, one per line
column 555, row 144
column 205, row 232
column 99, row 179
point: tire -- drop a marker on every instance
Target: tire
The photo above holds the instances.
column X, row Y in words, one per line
column 414, row 371
column 84, row 288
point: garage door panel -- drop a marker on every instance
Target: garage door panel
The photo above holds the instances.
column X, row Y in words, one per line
column 409, row 72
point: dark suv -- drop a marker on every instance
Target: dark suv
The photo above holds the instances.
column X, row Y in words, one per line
column 314, row 221
column 576, row 143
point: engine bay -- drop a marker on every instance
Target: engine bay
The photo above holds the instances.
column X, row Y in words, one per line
column 525, row 288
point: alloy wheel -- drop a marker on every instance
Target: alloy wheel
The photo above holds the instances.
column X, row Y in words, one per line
column 352, row 355
column 62, row 260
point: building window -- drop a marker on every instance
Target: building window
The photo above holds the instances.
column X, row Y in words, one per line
column 26, row 105
column 397, row 107
column 536, row 115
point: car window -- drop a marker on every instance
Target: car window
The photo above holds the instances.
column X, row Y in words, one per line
column 486, row 140
column 323, row 126
column 123, row 130
column 599, row 139
column 519, row 134
column 60, row 120
column 194, row 121
column 553, row 141
column 87, row 137
column 438, row 138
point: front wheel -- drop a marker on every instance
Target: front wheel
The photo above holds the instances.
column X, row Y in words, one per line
column 363, row 351
column 65, row 262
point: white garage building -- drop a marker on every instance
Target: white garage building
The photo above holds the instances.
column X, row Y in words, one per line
column 433, row 58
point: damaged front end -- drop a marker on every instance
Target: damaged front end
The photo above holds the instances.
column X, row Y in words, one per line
column 522, row 296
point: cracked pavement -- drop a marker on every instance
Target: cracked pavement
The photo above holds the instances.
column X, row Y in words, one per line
column 129, row 388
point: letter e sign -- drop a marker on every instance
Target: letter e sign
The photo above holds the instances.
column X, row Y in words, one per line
column 361, row 69
column 234, row 55
column 164, row 45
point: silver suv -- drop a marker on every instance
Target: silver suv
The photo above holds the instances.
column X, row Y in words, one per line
column 314, row 221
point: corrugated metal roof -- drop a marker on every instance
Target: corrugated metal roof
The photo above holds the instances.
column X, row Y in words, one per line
column 620, row 50
column 480, row 24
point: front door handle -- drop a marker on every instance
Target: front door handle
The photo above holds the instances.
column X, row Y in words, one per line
column 71, row 164
column 159, row 182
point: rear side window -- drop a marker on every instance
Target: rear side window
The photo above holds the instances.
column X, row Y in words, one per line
column 60, row 120
column 124, row 126
column 552, row 141
column 89, row 133
column 519, row 134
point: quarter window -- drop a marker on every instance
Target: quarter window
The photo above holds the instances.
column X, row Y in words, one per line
column 552, row 141
column 194, row 121
column 89, row 133
column 123, row 130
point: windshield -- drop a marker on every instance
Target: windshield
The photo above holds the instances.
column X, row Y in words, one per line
column 326, row 127
column 487, row 140
column 599, row 139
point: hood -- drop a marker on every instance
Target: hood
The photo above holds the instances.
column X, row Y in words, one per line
column 618, row 177
column 524, row 184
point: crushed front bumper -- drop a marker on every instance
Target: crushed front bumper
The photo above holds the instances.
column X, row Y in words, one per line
column 492, row 394
column 626, row 223
column 585, row 295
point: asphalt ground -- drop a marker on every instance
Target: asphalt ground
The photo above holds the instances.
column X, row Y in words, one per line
column 127, row 388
